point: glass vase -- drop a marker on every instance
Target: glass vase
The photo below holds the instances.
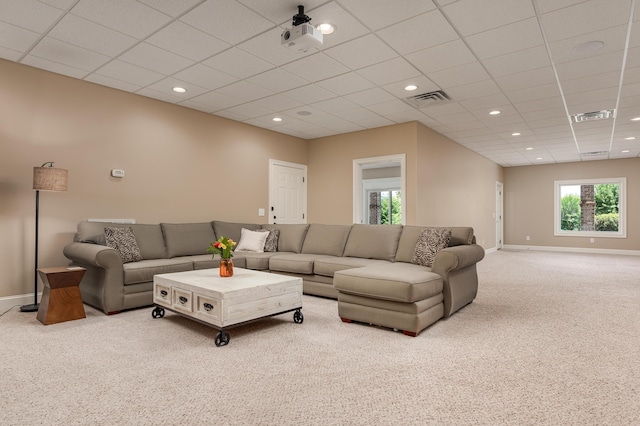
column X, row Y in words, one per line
column 226, row 267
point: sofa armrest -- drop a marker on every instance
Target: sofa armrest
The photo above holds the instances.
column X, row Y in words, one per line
column 457, row 267
column 86, row 254
column 457, row 257
column 103, row 284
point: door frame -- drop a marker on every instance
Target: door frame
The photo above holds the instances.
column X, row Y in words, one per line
column 303, row 167
column 359, row 164
column 499, row 215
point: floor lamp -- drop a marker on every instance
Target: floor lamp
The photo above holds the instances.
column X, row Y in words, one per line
column 45, row 178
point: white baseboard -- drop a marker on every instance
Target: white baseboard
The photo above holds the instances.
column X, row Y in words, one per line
column 9, row 302
column 490, row 250
column 571, row 249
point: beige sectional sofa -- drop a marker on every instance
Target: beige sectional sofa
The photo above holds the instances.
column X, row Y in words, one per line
column 366, row 267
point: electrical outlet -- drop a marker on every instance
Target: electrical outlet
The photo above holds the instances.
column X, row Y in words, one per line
column 593, row 240
column 528, row 238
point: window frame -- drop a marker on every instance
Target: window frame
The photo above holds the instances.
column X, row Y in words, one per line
column 622, row 208
column 380, row 185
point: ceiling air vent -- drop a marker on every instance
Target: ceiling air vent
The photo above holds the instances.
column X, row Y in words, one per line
column 427, row 99
column 594, row 154
column 596, row 115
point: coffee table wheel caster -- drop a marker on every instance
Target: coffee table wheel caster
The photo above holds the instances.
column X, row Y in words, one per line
column 157, row 312
column 298, row 317
column 222, row 338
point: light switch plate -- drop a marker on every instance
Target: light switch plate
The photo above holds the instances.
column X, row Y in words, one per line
column 260, row 212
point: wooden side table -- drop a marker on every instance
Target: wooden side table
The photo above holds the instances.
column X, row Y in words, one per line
column 61, row 299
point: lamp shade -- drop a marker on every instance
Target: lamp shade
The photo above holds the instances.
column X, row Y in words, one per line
column 49, row 179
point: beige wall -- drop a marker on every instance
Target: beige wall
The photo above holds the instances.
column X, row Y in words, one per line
column 180, row 164
column 529, row 204
column 330, row 171
column 456, row 186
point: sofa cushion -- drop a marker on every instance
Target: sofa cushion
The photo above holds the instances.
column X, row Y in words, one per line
column 253, row 260
column 232, row 230
column 329, row 265
column 185, row 239
column 144, row 270
column 373, row 241
column 430, row 242
column 396, row 284
column 291, row 236
column 124, row 242
column 252, row 240
column 326, row 239
column 297, row 263
column 148, row 236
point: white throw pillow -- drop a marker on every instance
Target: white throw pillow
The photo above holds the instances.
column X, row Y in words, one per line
column 252, row 240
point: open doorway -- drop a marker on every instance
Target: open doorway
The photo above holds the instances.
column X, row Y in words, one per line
column 379, row 188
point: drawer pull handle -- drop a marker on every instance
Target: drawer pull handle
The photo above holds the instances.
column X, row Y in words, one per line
column 208, row 306
column 182, row 300
column 163, row 293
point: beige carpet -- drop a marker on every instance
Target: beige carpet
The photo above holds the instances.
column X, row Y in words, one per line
column 552, row 339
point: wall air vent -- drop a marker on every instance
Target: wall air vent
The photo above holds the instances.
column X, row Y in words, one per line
column 596, row 115
column 427, row 99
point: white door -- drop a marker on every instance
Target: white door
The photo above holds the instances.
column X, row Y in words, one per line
column 287, row 192
column 499, row 208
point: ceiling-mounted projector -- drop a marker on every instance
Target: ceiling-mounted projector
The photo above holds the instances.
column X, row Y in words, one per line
column 303, row 36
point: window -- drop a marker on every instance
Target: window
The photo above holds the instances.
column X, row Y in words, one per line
column 591, row 208
column 383, row 201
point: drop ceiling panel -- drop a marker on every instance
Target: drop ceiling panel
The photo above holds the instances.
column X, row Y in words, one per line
column 227, row 20
column 89, row 35
column 29, row 14
column 370, row 97
column 517, row 62
column 526, row 79
column 16, row 39
column 346, row 83
column 409, row 36
column 129, row 73
column 68, row 54
column 316, row 67
column 309, row 94
column 457, row 76
column 277, row 103
column 238, row 63
column 377, row 14
column 593, row 16
column 277, row 80
column 132, row 18
column 441, row 57
column 204, row 76
column 534, row 93
column 183, row 40
column 508, row 39
column 172, row 8
column 348, row 26
column 472, row 16
column 56, row 67
column 361, row 52
column 613, row 40
column 153, row 58
column 389, row 71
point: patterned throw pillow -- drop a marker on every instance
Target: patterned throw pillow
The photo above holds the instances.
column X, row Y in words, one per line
column 271, row 243
column 430, row 242
column 124, row 242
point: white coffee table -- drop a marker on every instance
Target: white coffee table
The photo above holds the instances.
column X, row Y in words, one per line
column 222, row 303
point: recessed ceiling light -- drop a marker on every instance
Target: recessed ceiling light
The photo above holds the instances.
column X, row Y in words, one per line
column 630, row 138
column 495, row 112
column 326, row 28
column 410, row 87
column 538, row 158
column 276, row 119
column 179, row 89
column 625, row 151
column 588, row 46
column 635, row 119
column 529, row 149
column 516, row 134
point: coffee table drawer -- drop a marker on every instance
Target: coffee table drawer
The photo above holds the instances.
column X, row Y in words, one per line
column 208, row 309
column 182, row 300
column 162, row 294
